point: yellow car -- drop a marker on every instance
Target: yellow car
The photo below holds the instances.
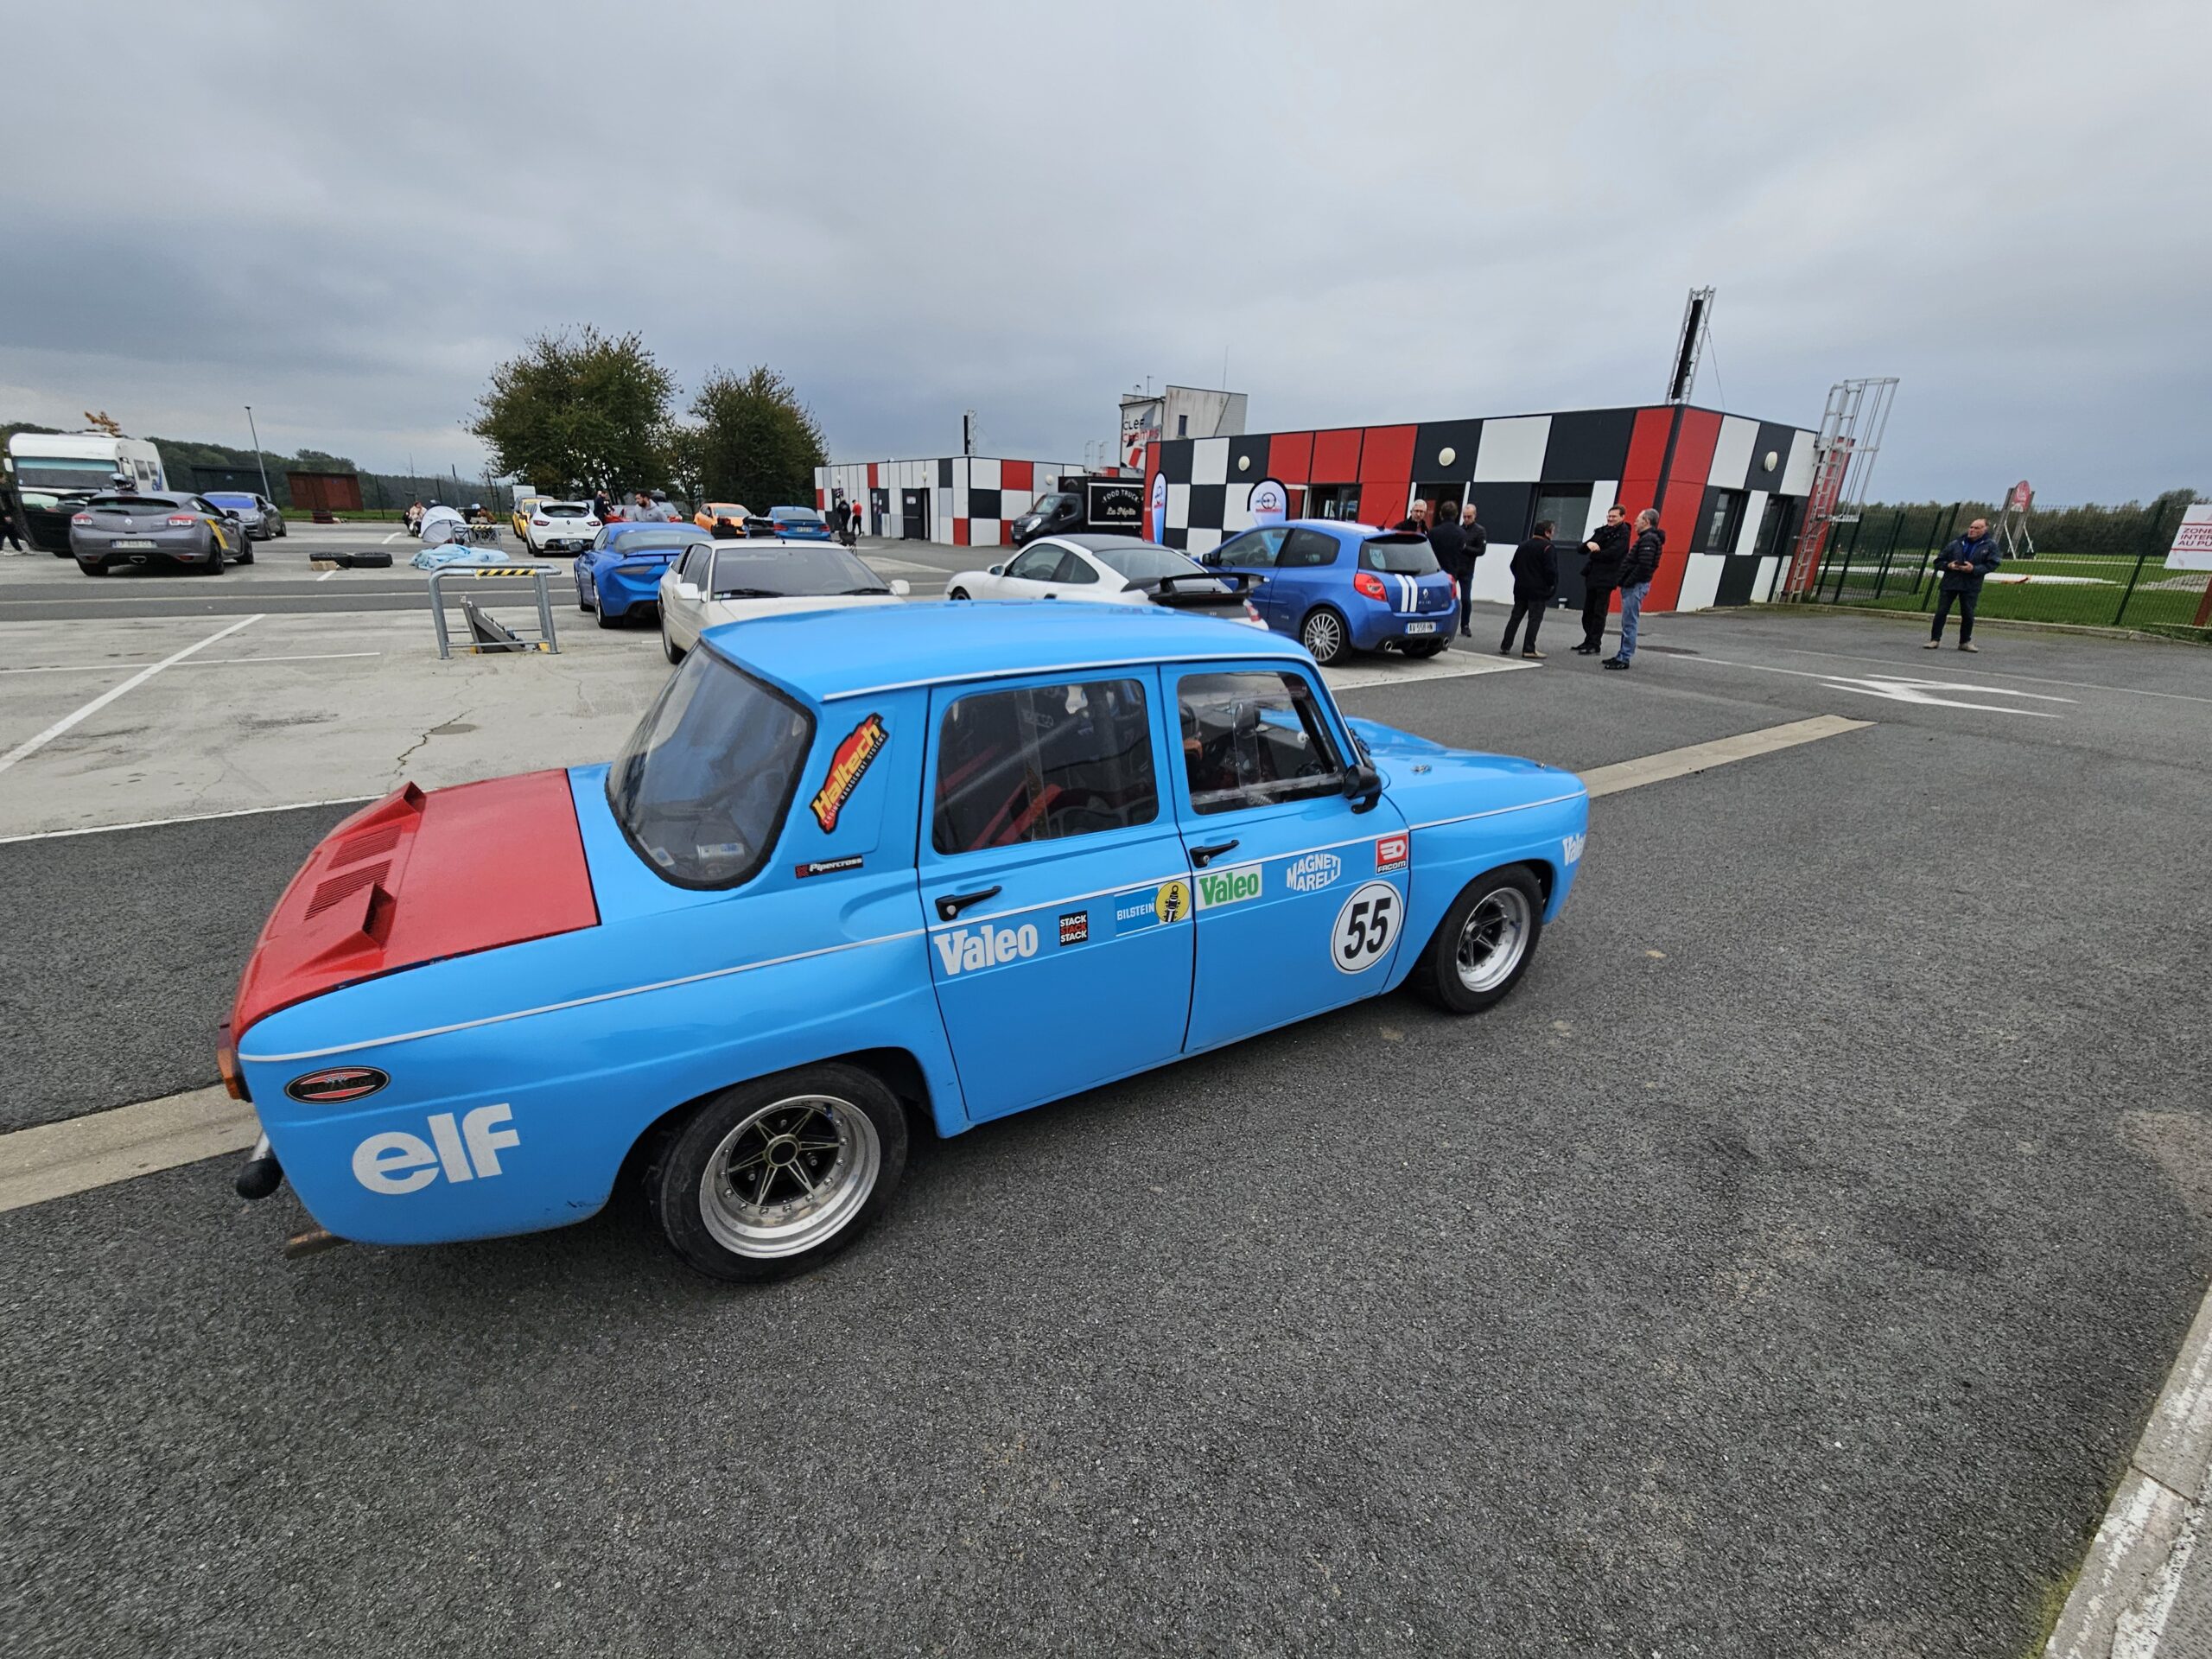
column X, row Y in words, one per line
column 730, row 516
column 524, row 505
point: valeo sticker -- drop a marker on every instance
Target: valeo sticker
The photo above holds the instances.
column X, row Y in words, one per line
column 1570, row 849
column 1232, row 886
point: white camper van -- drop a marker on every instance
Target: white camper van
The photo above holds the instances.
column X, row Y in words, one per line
column 83, row 461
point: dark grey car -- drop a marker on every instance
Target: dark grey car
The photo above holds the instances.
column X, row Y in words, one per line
column 156, row 527
column 263, row 519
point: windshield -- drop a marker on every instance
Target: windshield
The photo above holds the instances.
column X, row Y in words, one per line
column 1407, row 555
column 665, row 543
column 701, row 786
column 743, row 572
column 67, row 472
column 1046, row 505
column 1145, row 560
column 795, row 515
column 230, row 499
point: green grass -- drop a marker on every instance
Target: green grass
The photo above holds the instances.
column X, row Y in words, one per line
column 2094, row 602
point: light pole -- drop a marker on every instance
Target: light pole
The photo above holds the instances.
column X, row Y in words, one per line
column 257, row 461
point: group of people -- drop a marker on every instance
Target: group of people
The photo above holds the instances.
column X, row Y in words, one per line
column 1619, row 559
column 846, row 519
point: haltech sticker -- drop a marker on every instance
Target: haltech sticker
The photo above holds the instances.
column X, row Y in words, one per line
column 847, row 767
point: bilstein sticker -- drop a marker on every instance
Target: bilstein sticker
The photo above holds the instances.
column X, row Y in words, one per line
column 1219, row 887
column 847, row 767
column 1172, row 902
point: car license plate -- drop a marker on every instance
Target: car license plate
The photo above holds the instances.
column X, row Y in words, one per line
column 1420, row 627
column 130, row 547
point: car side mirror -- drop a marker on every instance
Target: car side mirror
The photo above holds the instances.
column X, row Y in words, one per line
column 687, row 590
column 900, row 588
column 1362, row 786
column 998, row 571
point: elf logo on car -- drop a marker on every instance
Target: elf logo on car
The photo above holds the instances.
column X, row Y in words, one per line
column 1217, row 887
column 338, row 1083
column 1570, row 849
column 964, row 950
column 1391, row 852
column 397, row 1162
column 1314, row 872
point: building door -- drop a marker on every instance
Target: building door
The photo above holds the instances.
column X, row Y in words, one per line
column 879, row 511
column 914, row 515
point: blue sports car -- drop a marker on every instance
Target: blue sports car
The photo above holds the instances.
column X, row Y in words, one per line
column 621, row 570
column 1337, row 587
column 856, row 876
column 800, row 524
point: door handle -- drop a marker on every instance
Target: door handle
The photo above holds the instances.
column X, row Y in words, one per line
column 1203, row 855
column 951, row 904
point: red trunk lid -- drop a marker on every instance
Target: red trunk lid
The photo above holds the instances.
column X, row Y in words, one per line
column 418, row 877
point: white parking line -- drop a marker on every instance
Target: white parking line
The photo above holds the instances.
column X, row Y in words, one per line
column 197, row 662
column 103, row 1147
column 189, row 817
column 32, row 745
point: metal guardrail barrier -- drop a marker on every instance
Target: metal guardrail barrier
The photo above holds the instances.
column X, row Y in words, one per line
column 485, row 633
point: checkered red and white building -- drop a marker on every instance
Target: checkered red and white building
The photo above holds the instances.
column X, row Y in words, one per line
column 960, row 500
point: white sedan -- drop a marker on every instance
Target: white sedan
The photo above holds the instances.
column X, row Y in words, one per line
column 1109, row 570
column 728, row 582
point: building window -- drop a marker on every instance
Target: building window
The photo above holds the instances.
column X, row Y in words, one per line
column 1567, row 505
column 1723, row 518
column 1182, row 426
column 1332, row 501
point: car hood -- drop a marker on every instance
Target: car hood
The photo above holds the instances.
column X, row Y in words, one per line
column 1428, row 781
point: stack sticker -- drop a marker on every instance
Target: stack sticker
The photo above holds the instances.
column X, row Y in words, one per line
column 1218, row 887
column 1390, row 852
column 847, row 767
column 1075, row 927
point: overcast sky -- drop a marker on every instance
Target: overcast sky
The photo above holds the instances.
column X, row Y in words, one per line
column 345, row 214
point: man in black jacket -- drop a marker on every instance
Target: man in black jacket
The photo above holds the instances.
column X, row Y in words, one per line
column 1608, row 549
column 1449, row 542
column 1535, row 579
column 1637, row 571
column 1965, row 562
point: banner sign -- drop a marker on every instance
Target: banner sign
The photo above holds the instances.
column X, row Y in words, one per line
column 1160, row 507
column 1117, row 505
column 1140, row 424
column 2192, row 548
column 1269, row 501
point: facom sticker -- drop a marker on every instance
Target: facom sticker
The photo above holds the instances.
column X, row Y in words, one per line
column 1219, row 887
column 1314, row 872
column 848, row 765
column 1570, row 849
column 1075, row 927
column 1390, row 852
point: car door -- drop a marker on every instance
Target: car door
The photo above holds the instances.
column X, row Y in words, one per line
column 685, row 591
column 1029, row 574
column 1304, row 576
column 1255, row 550
column 1054, row 884
column 1297, row 889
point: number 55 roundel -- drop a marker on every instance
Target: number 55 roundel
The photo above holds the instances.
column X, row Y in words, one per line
column 1365, row 927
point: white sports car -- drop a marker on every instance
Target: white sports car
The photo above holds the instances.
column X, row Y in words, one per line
column 1110, row 570
column 715, row 582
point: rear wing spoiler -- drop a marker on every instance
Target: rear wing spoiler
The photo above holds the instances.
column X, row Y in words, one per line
column 1239, row 583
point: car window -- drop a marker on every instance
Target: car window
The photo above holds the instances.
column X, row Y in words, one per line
column 1253, row 740
column 1308, row 548
column 1073, row 570
column 565, row 509
column 1145, row 560
column 131, row 504
column 1402, row 556
column 693, row 568
column 750, row 570
column 1036, row 564
column 1043, row 762
column 1256, row 550
column 701, row 786
column 665, row 539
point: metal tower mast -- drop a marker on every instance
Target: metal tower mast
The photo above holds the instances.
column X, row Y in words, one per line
column 1843, row 463
column 1697, row 318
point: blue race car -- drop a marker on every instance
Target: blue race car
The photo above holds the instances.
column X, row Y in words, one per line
column 800, row 524
column 1339, row 587
column 853, row 875
column 622, row 568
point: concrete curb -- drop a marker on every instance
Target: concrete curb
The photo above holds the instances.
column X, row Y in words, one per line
column 2154, row 1527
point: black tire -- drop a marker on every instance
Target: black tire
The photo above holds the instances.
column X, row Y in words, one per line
column 606, row 621
column 214, row 565
column 957, row 593
column 857, row 1126
column 667, row 645
column 92, row 570
column 1508, row 896
column 246, row 555
column 1318, row 622
column 283, row 529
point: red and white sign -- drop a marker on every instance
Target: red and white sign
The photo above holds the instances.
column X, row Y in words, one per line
column 2192, row 548
column 2022, row 498
column 1390, row 852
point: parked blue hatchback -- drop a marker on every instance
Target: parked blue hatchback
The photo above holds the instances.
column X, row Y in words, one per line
column 856, row 875
column 1337, row 587
column 800, row 524
column 621, row 570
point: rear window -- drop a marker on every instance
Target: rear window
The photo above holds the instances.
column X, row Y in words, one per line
column 1140, row 562
column 565, row 509
column 742, row 572
column 795, row 515
column 1400, row 555
column 701, row 787
column 134, row 503
column 662, row 542
column 1043, row 762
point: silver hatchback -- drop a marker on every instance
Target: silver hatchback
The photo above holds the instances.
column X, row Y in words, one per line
column 156, row 526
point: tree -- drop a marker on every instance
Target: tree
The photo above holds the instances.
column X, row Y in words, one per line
column 587, row 412
column 753, row 441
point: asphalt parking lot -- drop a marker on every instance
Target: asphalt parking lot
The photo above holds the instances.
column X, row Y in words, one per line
column 1786, row 1269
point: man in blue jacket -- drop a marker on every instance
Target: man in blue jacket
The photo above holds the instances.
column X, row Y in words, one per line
column 1965, row 562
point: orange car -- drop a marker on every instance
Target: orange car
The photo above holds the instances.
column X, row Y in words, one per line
column 722, row 518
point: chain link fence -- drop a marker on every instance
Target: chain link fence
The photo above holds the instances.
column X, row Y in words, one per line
column 2093, row 566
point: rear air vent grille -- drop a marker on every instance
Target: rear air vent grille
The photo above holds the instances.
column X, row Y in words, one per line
column 347, row 882
column 368, row 844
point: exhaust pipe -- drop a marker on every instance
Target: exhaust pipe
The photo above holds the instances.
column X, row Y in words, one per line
column 261, row 1175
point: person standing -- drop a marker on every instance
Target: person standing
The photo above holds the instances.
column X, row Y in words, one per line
column 1637, row 572
column 1608, row 551
column 1969, row 559
column 1535, row 579
column 1417, row 519
column 1477, row 540
column 10, row 517
column 1449, row 542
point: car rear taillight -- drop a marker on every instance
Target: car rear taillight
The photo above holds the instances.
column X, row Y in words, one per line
column 1371, row 584
column 226, row 1064
column 182, row 518
column 541, row 522
column 591, row 523
column 80, row 517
